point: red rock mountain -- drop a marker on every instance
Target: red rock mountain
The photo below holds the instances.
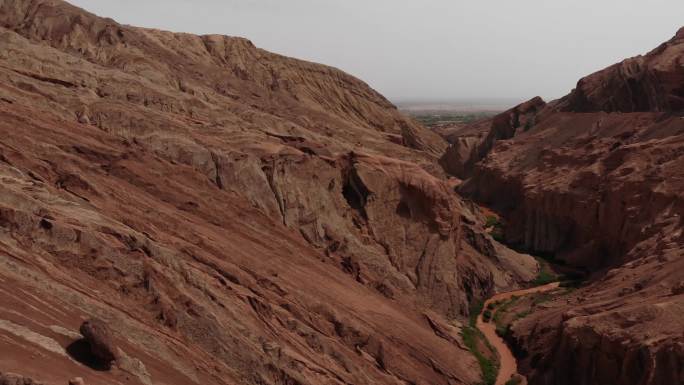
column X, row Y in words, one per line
column 597, row 180
column 224, row 215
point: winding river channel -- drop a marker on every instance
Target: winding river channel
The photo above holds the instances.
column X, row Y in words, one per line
column 508, row 364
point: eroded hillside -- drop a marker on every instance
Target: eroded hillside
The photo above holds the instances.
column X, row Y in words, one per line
column 596, row 180
column 233, row 215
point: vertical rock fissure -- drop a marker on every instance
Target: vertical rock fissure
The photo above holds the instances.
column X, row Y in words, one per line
column 217, row 166
column 354, row 191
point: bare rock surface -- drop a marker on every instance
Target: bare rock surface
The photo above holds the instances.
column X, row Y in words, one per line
column 100, row 340
column 232, row 215
column 471, row 144
column 648, row 83
column 16, row 379
column 597, row 181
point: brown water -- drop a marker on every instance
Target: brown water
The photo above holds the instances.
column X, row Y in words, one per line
column 508, row 363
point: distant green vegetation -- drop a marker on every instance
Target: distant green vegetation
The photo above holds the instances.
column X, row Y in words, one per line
column 570, row 278
column 497, row 227
column 475, row 309
column 487, row 315
column 501, row 327
column 471, row 336
column 489, row 367
column 492, row 221
column 545, row 275
column 433, row 119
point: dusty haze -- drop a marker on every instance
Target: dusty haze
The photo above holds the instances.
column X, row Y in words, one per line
column 431, row 49
column 187, row 210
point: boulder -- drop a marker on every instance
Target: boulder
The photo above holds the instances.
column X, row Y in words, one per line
column 16, row 379
column 99, row 336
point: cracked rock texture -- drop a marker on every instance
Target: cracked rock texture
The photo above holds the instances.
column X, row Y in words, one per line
column 597, row 180
column 232, row 215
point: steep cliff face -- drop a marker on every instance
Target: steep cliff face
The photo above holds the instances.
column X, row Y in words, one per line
column 625, row 328
column 586, row 187
column 233, row 215
column 597, row 182
column 472, row 144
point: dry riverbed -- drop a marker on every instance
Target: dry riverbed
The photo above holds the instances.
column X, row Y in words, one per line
column 507, row 363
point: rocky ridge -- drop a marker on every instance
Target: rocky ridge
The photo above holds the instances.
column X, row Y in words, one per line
column 595, row 180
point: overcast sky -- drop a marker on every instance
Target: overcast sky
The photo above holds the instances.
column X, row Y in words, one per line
column 430, row 49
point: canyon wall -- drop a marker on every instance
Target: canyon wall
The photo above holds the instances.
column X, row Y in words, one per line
column 595, row 180
column 232, row 215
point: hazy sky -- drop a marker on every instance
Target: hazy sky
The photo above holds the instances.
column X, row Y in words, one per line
column 430, row 49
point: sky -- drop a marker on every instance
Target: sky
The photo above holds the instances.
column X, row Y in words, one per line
column 430, row 50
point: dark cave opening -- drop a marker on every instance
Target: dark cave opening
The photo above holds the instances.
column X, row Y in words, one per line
column 355, row 193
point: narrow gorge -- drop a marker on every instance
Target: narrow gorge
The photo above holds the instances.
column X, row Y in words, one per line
column 192, row 209
column 593, row 180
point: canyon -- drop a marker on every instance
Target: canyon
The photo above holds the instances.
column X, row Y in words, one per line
column 231, row 215
column 594, row 180
column 183, row 209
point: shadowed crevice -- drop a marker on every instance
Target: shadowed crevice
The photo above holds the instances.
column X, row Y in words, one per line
column 80, row 351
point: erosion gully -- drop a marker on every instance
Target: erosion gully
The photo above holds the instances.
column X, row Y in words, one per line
column 508, row 364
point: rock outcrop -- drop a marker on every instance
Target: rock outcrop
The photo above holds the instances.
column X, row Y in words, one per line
column 649, row 83
column 597, row 182
column 472, row 144
column 99, row 339
column 16, row 379
column 236, row 216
